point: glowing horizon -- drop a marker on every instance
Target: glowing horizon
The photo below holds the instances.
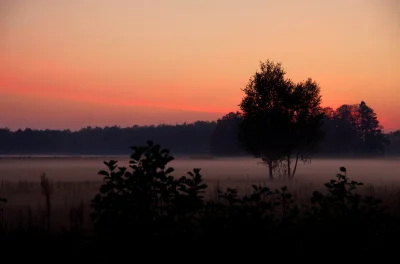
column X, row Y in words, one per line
column 72, row 64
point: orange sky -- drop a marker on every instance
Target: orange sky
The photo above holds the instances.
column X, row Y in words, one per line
column 70, row 64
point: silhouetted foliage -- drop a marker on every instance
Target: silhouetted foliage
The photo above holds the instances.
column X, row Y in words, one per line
column 354, row 130
column 148, row 203
column 224, row 139
column 147, row 197
column 281, row 120
column 394, row 146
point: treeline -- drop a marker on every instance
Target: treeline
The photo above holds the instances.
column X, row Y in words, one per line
column 348, row 131
column 193, row 138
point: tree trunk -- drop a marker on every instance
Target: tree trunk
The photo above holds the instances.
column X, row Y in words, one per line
column 295, row 165
column 288, row 167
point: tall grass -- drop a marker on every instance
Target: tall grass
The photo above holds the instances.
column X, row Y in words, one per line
column 62, row 205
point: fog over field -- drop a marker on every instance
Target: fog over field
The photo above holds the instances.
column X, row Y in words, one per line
column 75, row 181
column 371, row 171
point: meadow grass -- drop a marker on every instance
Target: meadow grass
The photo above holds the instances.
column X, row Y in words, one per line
column 70, row 201
column 73, row 182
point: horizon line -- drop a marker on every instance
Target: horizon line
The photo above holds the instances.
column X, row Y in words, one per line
column 136, row 125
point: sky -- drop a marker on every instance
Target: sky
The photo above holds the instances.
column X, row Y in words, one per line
column 77, row 63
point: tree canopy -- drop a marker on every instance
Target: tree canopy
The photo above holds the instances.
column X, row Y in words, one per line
column 281, row 119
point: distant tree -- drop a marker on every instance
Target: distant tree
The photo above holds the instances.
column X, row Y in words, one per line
column 224, row 139
column 329, row 112
column 346, row 119
column 370, row 129
column 281, row 120
column 394, row 146
column 360, row 128
column 5, row 139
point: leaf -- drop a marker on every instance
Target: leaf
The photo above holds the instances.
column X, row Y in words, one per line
column 196, row 170
column 105, row 188
column 203, row 186
column 169, row 170
column 103, row 172
column 164, row 151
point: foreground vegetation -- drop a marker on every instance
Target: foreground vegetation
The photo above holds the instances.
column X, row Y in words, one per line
column 145, row 209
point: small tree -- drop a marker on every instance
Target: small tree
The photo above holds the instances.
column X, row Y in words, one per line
column 281, row 120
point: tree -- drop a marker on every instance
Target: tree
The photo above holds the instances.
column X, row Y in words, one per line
column 346, row 118
column 370, row 130
column 359, row 127
column 394, row 147
column 224, row 138
column 281, row 120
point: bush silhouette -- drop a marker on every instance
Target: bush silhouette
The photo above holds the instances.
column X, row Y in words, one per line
column 341, row 200
column 146, row 202
column 142, row 200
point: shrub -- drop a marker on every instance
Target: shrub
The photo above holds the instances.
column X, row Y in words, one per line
column 144, row 199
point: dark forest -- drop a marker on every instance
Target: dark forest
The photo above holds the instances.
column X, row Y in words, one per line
column 348, row 131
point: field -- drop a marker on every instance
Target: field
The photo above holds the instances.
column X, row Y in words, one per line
column 75, row 182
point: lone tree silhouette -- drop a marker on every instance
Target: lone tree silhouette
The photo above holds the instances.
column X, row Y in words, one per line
column 281, row 120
